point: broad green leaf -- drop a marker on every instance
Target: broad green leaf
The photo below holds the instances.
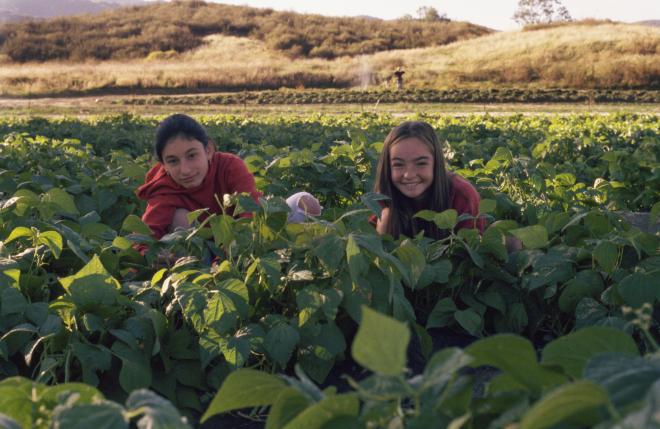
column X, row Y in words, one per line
column 443, row 220
column 586, row 284
column 357, row 263
column 103, row 415
column 135, row 370
column 331, row 251
column 92, row 286
column 245, row 388
column 442, row 314
column 12, row 301
column 493, row 241
column 564, row 402
column 16, row 403
column 92, row 358
column 516, row 357
column 625, row 376
column 280, row 342
column 381, row 342
column 53, row 240
column 533, row 237
column 443, row 367
column 156, row 411
column 413, row 259
column 573, row 351
column 222, row 228
column 638, row 289
column 288, row 405
column 655, row 211
column 133, row 223
column 487, row 206
column 606, row 254
column 19, row 232
column 372, row 201
column 62, row 200
column 469, row 320
column 317, row 415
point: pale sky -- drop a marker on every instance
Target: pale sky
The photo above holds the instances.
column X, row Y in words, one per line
column 490, row 13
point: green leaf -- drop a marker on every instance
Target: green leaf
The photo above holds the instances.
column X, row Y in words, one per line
column 585, row 284
column 288, row 405
column 12, row 301
column 533, row 237
column 442, row 314
column 357, row 263
column 606, row 254
column 638, row 289
column 372, row 201
column 469, row 320
column 563, row 403
column 516, row 357
column 222, row 228
column 245, row 388
column 135, row 371
column 444, row 220
column 133, row 223
column 413, row 259
column 330, row 251
column 381, row 342
column 92, row 286
column 487, row 206
column 280, row 342
column 53, row 240
column 573, row 351
column 626, row 377
column 103, row 415
column 493, row 241
column 315, row 416
column 655, row 211
column 443, row 366
column 156, row 411
column 62, row 200
column 19, row 232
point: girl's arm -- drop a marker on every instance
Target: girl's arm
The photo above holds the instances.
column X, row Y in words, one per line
column 180, row 219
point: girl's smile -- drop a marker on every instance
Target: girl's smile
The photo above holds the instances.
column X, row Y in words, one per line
column 186, row 161
column 411, row 164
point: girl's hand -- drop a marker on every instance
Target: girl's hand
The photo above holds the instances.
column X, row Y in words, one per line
column 309, row 205
column 180, row 219
column 383, row 222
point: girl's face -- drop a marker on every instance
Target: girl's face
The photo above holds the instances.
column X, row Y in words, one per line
column 186, row 161
column 411, row 164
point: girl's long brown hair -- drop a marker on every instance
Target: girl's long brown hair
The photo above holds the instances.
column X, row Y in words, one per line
column 401, row 207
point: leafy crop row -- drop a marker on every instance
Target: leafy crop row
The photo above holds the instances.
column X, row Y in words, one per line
column 330, row 96
column 79, row 304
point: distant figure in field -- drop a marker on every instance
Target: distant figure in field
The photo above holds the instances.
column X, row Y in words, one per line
column 398, row 75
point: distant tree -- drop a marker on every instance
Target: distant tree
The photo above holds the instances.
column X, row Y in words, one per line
column 540, row 12
column 429, row 13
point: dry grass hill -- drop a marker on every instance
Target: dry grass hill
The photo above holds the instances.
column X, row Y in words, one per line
column 576, row 55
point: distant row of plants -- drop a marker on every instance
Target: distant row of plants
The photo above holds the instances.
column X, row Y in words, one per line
column 462, row 95
column 181, row 26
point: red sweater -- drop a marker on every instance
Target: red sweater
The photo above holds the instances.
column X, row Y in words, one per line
column 227, row 174
column 464, row 198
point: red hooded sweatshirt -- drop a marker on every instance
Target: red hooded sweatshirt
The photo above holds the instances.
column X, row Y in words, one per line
column 227, row 174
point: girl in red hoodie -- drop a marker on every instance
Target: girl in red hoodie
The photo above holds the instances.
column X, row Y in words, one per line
column 411, row 171
column 191, row 175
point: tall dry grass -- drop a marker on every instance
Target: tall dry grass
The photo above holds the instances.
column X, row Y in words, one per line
column 597, row 56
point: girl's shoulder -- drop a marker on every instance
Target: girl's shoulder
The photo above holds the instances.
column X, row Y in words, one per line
column 463, row 195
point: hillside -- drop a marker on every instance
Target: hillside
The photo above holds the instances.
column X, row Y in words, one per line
column 135, row 32
column 607, row 56
column 17, row 10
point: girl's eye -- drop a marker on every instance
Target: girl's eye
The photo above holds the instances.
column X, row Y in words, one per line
column 192, row 156
column 171, row 162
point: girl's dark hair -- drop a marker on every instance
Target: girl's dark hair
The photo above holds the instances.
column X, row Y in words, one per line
column 178, row 125
column 436, row 197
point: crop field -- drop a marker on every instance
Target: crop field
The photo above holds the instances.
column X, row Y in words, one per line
column 326, row 324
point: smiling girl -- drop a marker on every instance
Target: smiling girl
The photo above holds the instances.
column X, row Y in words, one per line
column 411, row 171
column 191, row 175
